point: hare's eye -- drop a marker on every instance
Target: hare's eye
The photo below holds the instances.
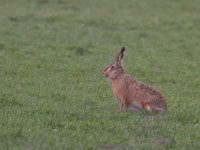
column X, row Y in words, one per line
column 112, row 67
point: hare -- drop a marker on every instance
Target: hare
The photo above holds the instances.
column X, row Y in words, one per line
column 131, row 92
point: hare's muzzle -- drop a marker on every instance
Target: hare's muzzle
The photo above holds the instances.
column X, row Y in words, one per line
column 105, row 73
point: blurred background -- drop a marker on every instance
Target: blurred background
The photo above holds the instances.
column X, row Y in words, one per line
column 52, row 56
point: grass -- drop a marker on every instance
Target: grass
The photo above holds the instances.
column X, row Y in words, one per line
column 53, row 53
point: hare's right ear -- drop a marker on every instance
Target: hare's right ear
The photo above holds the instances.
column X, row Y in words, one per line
column 120, row 55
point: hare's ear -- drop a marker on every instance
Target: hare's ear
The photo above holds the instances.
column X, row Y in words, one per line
column 120, row 55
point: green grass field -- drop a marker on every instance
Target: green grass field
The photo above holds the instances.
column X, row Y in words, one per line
column 52, row 56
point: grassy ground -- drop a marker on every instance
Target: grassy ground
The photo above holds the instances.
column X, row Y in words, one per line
column 53, row 53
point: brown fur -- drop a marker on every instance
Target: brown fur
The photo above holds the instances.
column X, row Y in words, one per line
column 131, row 92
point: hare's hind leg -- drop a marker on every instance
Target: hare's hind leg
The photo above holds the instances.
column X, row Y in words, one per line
column 151, row 108
column 147, row 106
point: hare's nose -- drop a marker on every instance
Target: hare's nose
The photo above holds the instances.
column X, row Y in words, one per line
column 105, row 74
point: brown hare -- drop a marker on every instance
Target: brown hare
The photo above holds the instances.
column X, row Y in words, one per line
column 131, row 92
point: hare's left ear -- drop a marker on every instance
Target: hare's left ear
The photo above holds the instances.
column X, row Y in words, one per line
column 120, row 55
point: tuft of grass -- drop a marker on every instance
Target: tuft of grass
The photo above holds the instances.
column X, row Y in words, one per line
column 53, row 53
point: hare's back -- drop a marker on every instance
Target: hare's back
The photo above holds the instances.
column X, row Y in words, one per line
column 141, row 90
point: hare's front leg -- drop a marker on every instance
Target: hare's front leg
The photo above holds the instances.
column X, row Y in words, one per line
column 124, row 107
